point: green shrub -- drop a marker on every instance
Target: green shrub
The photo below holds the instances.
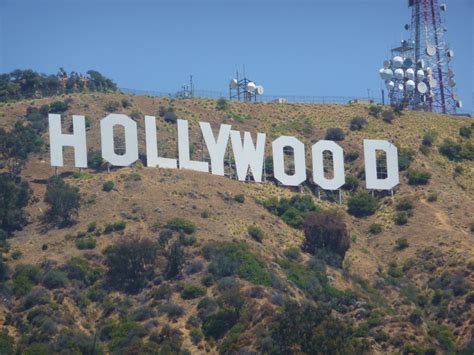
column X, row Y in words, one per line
column 432, row 197
column 402, row 243
column 335, row 134
column 115, row 227
column 239, row 198
column 16, row 254
column 7, row 344
column 375, row 110
column 388, row 116
column 14, row 197
column 218, row 323
column 293, row 217
column 352, row 183
column 126, row 103
column 24, row 278
column 175, row 260
column 405, row 158
column 112, row 106
column 86, row 243
column 465, row 132
column 352, row 156
column 429, row 138
column 404, row 204
column 293, row 253
column 222, row 104
column 37, row 296
column 362, row 204
column 418, row 177
column 358, row 123
column 81, row 270
column 394, row 270
column 181, row 225
column 170, row 117
column 63, row 200
column 58, row 107
column 325, row 231
column 375, row 228
column 457, row 151
column 196, row 335
column 131, row 263
column 91, row 227
column 172, row 310
column 228, row 259
column 192, row 291
column 55, row 279
column 108, row 186
column 401, row 218
column 255, row 233
column 444, row 336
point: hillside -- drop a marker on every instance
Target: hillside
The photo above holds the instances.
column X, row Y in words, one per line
column 401, row 287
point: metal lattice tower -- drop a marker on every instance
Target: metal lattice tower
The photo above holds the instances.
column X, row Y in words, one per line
column 419, row 75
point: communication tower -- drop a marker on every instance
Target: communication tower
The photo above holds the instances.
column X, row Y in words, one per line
column 244, row 89
column 419, row 74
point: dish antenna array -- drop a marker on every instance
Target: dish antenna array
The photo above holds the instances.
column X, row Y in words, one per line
column 419, row 74
column 244, row 89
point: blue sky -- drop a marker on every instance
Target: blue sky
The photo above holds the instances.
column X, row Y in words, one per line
column 292, row 47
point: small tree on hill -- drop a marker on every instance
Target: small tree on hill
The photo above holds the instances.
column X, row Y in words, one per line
column 63, row 199
column 325, row 231
column 131, row 262
column 13, row 198
column 175, row 260
column 362, row 204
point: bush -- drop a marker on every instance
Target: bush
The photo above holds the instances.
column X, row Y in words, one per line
column 63, row 199
column 14, row 198
column 7, row 344
column 292, row 254
column 86, row 243
column 126, row 103
column 362, row 204
column 404, row 204
column 81, row 270
column 457, row 151
column 444, row 336
column 255, row 233
column 112, row 106
column 375, row 228
column 405, row 158
column 219, row 322
column 432, row 197
column 415, row 317
column 352, row 183
column 55, row 279
column 228, row 259
column 192, row 291
column 418, row 177
column 131, row 263
column 239, row 198
column 465, row 132
column 352, row 156
column 108, row 186
column 401, row 218
column 175, row 260
column 394, row 270
column 358, row 123
column 24, row 278
column 335, row 134
column 172, row 310
column 429, row 138
column 181, row 225
column 375, row 110
column 170, row 117
column 37, row 296
column 222, row 104
column 402, row 243
column 3, row 269
column 325, row 231
column 58, row 107
column 388, row 116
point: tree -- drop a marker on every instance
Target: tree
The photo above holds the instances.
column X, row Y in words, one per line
column 15, row 146
column 130, row 263
column 175, row 260
column 14, row 196
column 358, row 123
column 63, row 199
column 327, row 232
column 335, row 134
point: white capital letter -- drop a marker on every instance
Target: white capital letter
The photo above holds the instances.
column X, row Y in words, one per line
column 339, row 178
column 216, row 148
column 185, row 161
column 279, row 161
column 248, row 155
column 107, row 137
column 152, row 158
column 370, row 156
column 58, row 140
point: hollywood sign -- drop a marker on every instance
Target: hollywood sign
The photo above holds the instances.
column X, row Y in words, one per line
column 247, row 154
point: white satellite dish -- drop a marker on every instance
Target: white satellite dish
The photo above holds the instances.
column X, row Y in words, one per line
column 259, row 90
column 420, row 74
column 387, row 74
column 450, row 53
column 397, row 62
column 400, row 87
column 429, row 71
column 432, row 81
column 450, row 73
column 430, row 50
column 410, row 85
column 410, row 74
column 407, row 63
column 233, row 83
column 443, row 7
column 251, row 86
column 399, row 74
column 382, row 73
column 421, row 63
column 452, row 82
column 386, row 64
column 459, row 104
column 390, row 85
column 422, row 88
